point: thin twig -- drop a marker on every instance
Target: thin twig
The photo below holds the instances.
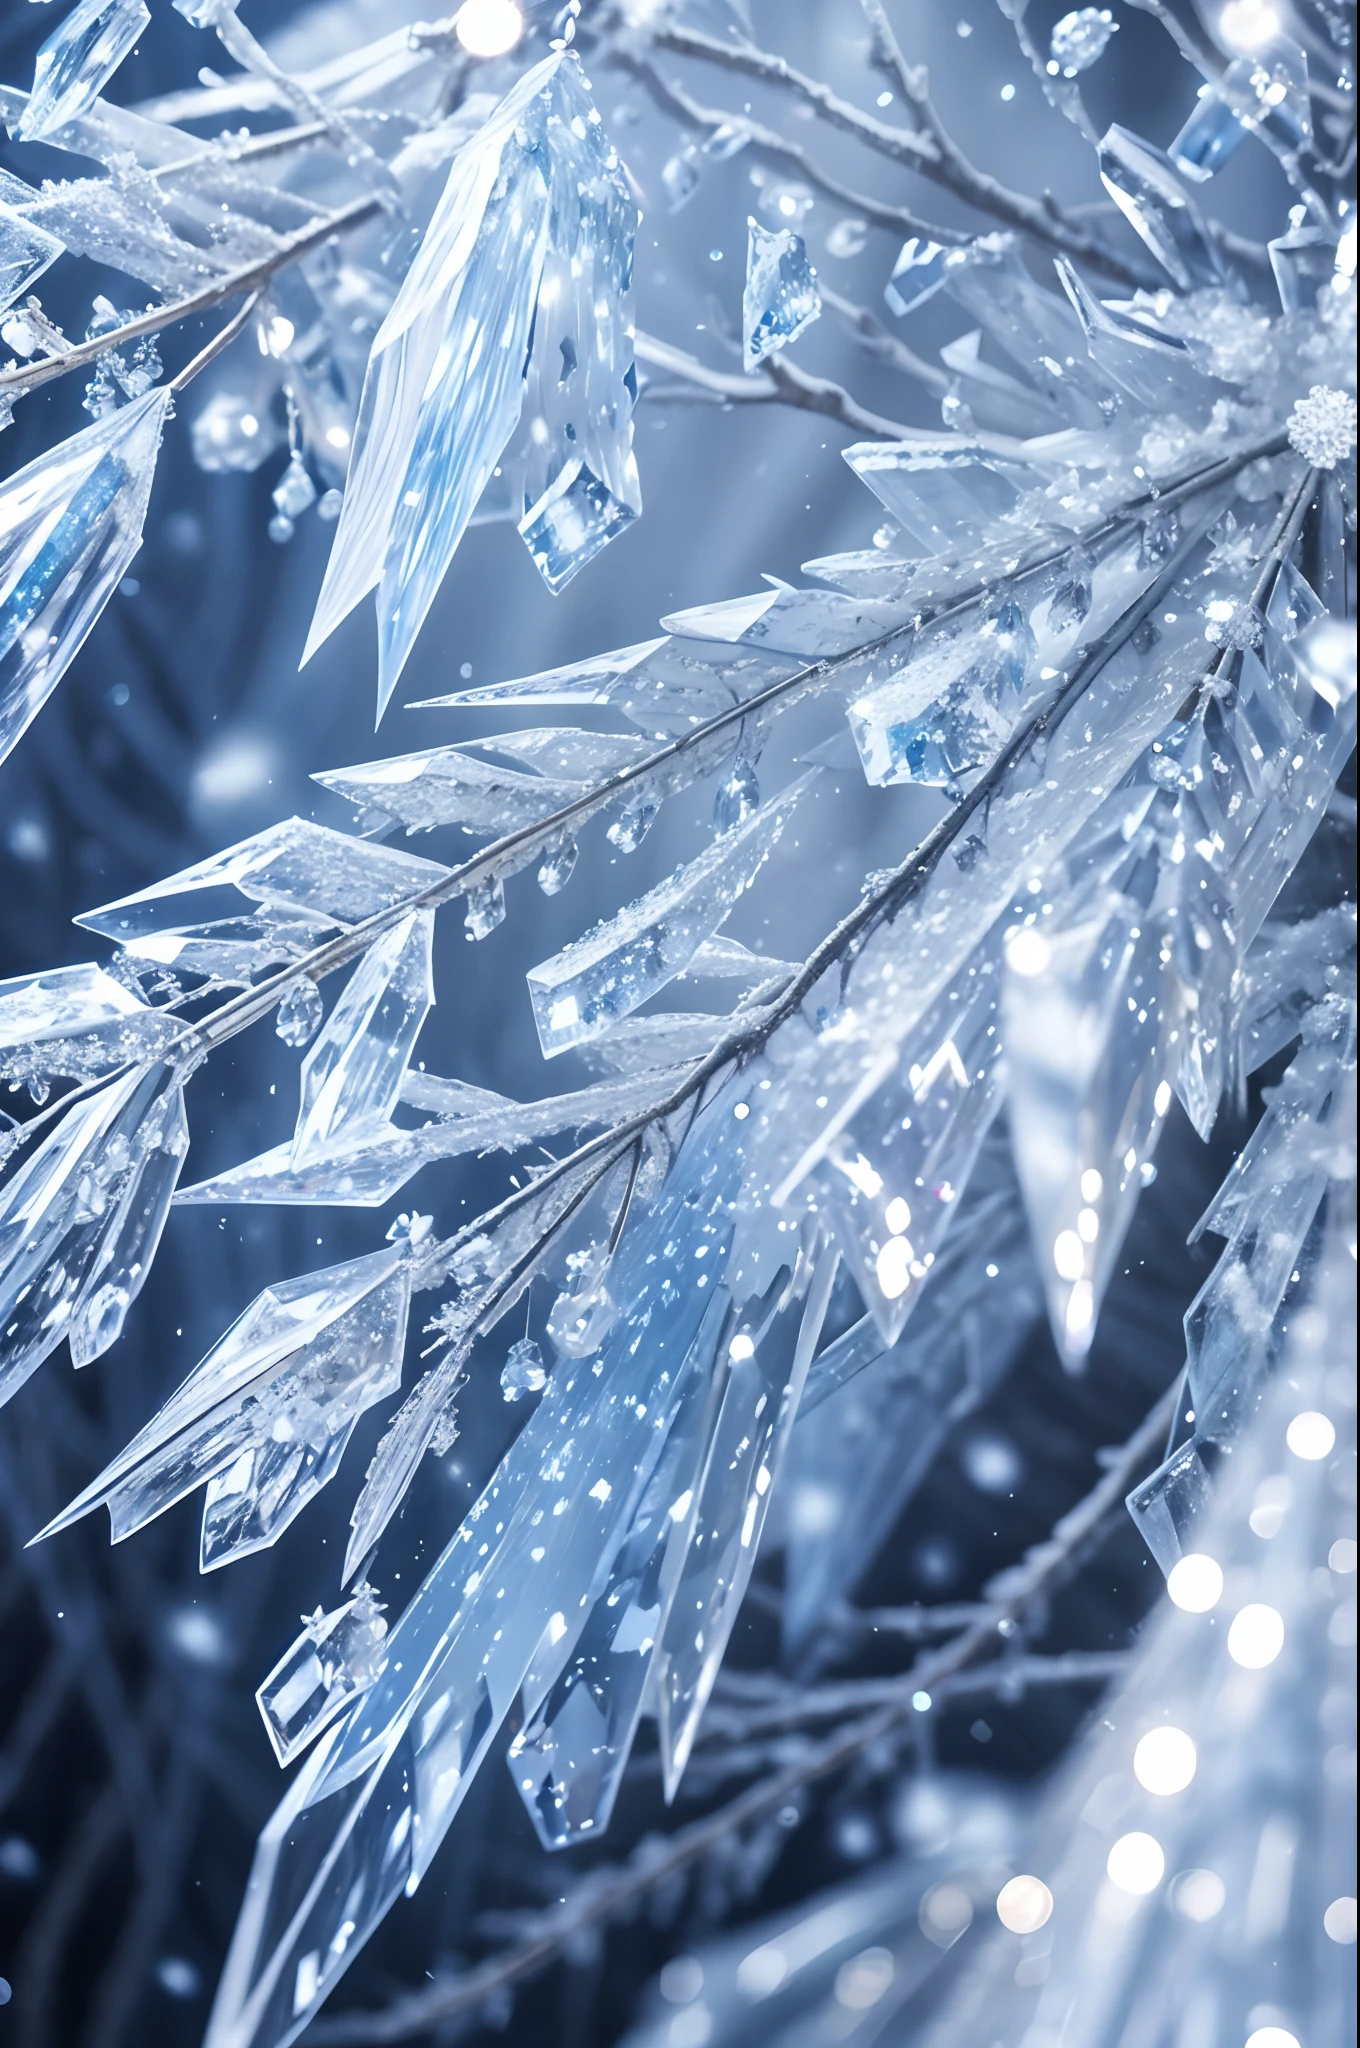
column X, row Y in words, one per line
column 775, row 383
column 600, row 1899
column 248, row 278
column 927, row 150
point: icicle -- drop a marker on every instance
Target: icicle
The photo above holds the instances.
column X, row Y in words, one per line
column 766, row 1366
column 335, row 1659
column 77, row 61
column 537, row 189
column 71, row 524
column 580, row 992
column 81, row 1218
column 265, row 1418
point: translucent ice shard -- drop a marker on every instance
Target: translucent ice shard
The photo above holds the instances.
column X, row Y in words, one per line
column 569, row 1757
column 764, row 1373
column 337, row 1657
column 81, row 1217
column 942, row 491
column 1143, row 184
column 70, row 523
column 265, row 1418
column 903, row 1147
column 883, row 1412
column 781, row 298
column 580, row 992
column 26, row 250
column 917, row 274
column 75, row 1023
column 1212, row 133
column 1304, row 262
column 529, row 246
column 456, row 786
column 366, row 1817
column 352, row 1076
column 77, row 61
column 946, row 714
column 265, row 900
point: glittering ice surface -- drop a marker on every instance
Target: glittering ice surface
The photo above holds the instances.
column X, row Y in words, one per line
column 336, row 1657
column 1079, row 39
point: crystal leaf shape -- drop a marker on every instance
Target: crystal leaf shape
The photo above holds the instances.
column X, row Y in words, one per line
column 873, row 1418
column 81, row 1217
column 262, row 902
column 581, row 991
column 780, row 299
column 352, row 1076
column 77, row 1023
column 1241, row 1862
column 532, row 234
column 364, row 1819
column 26, row 251
column 77, row 61
column 917, row 274
column 336, row 1657
column 455, row 786
column 263, row 1421
column 1143, row 184
column 70, row 524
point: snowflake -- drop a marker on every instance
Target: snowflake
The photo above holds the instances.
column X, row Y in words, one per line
column 1322, row 426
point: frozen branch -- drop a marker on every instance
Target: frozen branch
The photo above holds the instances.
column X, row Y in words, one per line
column 775, row 383
column 609, row 1894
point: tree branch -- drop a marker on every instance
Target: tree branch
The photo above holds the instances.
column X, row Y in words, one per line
column 604, row 1896
column 927, row 150
column 775, row 383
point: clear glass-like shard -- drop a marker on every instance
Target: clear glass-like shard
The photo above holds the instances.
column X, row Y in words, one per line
column 1143, row 184
column 766, row 1367
column 1038, row 330
column 1291, row 967
column 610, row 972
column 1268, row 88
column 80, row 1219
column 905, row 1142
column 70, row 524
column 264, row 1419
column 1151, row 365
column 568, row 1758
column 917, row 274
column 366, row 1816
column 949, row 711
column 77, row 61
column 446, row 786
column 781, row 298
column 1211, row 134
column 942, row 491
column 531, row 238
column 293, row 882
column 26, row 250
column 337, row 1657
column 352, row 1076
column 75, row 1023
column 1079, row 39
column 876, row 1415
column 1304, row 262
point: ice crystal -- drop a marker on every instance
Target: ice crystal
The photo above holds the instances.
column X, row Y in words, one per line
column 1322, row 426
column 76, row 62
column 781, row 298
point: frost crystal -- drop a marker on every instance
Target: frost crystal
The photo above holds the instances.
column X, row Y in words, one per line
column 1080, row 38
column 1322, row 426
column 781, row 296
